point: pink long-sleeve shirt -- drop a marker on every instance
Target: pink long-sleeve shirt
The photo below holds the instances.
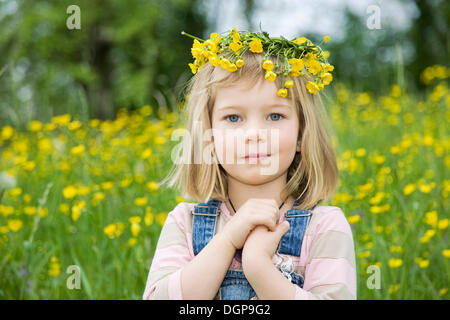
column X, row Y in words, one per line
column 327, row 258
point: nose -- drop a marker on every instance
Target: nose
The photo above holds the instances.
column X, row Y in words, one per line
column 256, row 136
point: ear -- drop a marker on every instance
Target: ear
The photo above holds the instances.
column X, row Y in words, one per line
column 299, row 145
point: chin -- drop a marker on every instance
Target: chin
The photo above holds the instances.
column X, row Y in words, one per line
column 254, row 177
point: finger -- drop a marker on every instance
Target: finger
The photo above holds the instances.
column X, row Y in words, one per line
column 266, row 221
column 282, row 228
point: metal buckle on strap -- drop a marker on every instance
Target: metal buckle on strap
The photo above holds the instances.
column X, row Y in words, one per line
column 297, row 215
column 205, row 214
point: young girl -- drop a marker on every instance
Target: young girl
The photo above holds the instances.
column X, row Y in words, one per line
column 258, row 232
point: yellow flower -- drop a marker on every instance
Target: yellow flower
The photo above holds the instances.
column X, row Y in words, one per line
column 428, row 235
column 110, row 230
column 378, row 229
column 327, row 78
column 239, row 63
column 74, row 125
column 132, row 241
column 431, row 218
column 300, row 40
column 107, row 185
column 289, row 84
column 425, row 188
column 446, row 253
column 443, row 224
column 377, row 198
column 282, row 92
column 179, row 199
column 235, row 46
column 69, row 192
column 196, row 49
column 55, row 267
column 140, row 201
column 394, row 288
column 312, row 87
column 361, row 152
column 161, row 218
column 29, row 165
column 443, row 291
column 395, row 262
column 313, row 66
column 78, row 150
column 146, row 153
column 125, row 182
column 215, row 37
column 379, row 159
column 267, row 65
column 354, row 219
column 35, row 126
column 235, row 34
column 214, row 60
column 256, row 45
column 160, row 140
column 231, row 67
column 296, row 64
column 423, row 263
column 396, row 249
column 99, row 196
column 7, row 132
column 76, row 212
column 270, row 75
column 193, row 68
column 152, row 186
column 326, row 38
column 328, row 67
column 395, row 149
column 114, row 230
column 409, row 188
column 134, row 219
column 135, row 229
column 83, row 191
column 64, row 208
column 15, row 225
column 364, row 254
column 30, row 210
column 61, row 120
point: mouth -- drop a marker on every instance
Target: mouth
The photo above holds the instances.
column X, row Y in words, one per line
column 257, row 156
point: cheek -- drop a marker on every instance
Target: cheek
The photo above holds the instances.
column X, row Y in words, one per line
column 286, row 141
column 222, row 145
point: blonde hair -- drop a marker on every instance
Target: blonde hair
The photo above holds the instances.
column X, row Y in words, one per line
column 312, row 175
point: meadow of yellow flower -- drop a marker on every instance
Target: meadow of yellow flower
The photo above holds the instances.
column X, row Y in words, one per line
column 87, row 194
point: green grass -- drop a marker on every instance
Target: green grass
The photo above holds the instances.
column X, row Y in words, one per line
column 43, row 161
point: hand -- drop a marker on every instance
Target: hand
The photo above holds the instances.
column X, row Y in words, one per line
column 263, row 243
column 252, row 213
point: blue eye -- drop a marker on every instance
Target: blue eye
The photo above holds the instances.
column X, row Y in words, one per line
column 232, row 116
column 277, row 114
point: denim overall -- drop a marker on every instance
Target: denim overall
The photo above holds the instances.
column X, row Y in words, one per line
column 235, row 285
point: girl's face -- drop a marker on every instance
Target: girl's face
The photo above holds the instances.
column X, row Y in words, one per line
column 254, row 122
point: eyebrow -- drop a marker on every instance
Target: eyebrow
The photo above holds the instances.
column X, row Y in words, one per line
column 265, row 107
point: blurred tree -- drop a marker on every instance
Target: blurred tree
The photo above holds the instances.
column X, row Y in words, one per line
column 126, row 54
column 374, row 59
column 430, row 35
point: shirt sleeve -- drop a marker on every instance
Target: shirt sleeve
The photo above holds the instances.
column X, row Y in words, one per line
column 330, row 271
column 171, row 254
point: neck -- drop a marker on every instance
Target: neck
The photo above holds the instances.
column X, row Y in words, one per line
column 239, row 192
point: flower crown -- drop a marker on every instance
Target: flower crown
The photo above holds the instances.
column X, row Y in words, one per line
column 295, row 55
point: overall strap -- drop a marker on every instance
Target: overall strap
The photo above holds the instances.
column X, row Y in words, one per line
column 291, row 241
column 204, row 223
